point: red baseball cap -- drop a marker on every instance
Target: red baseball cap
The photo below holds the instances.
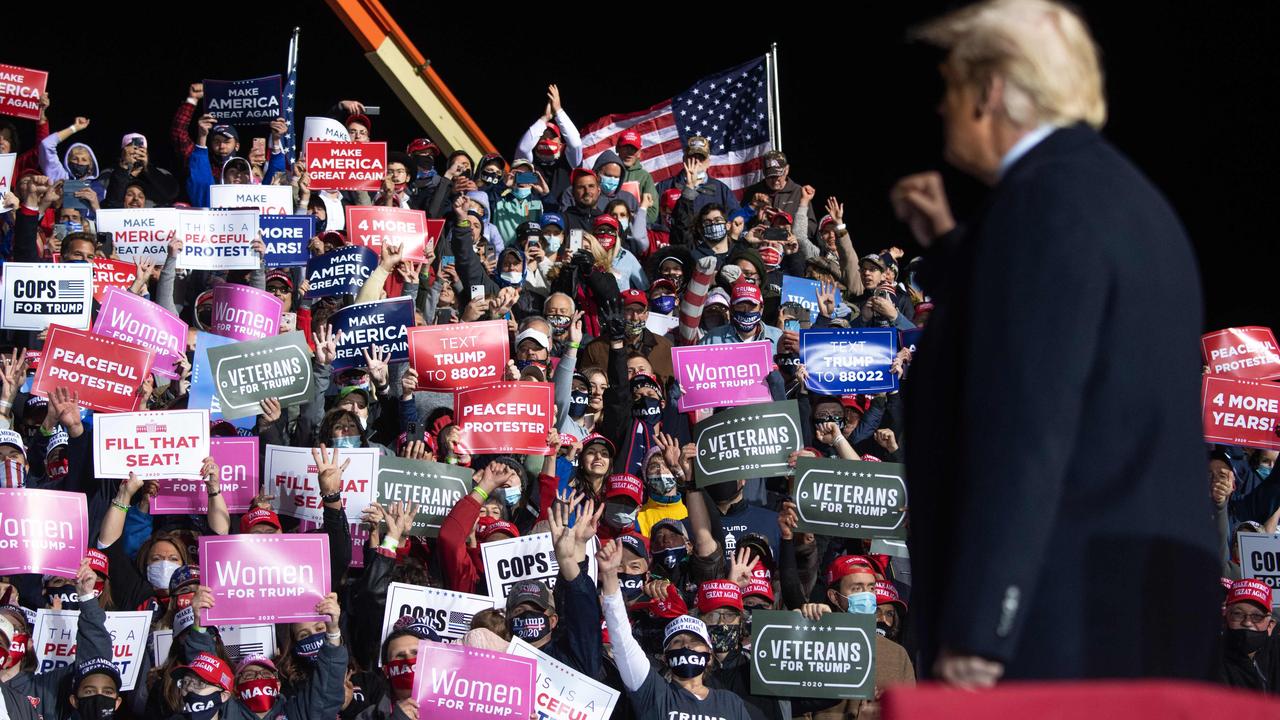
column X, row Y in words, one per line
column 781, row 217
column 579, row 172
column 421, row 145
column 98, row 561
column 211, row 669
column 598, row 438
column 631, row 296
column 716, row 594
column 848, row 565
column 625, row 485
column 669, row 606
column 257, row 516
column 359, row 118
column 887, row 592
column 760, row 588
column 608, row 221
column 670, row 197
column 662, row 283
column 1254, row 591
column 487, row 526
column 745, row 291
column 632, row 138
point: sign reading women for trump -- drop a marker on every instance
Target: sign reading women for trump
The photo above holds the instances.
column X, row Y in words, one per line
column 241, row 312
column 255, row 101
column 715, row 376
column 459, row 355
column 42, row 531
column 346, row 165
column 381, row 324
column 264, row 578
column 850, row 498
column 37, row 295
column 156, row 444
column 456, row 682
column 106, row 373
column 133, row 319
column 246, row 373
column 140, row 232
column 218, row 239
column 504, row 417
column 266, row 199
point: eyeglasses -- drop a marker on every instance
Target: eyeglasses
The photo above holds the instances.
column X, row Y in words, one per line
column 1252, row 618
column 191, row 683
column 255, row 672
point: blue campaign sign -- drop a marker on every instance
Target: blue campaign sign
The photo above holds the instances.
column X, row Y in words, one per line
column 803, row 291
column 849, row 361
column 340, row 272
column 201, row 394
column 286, row 238
column 255, row 101
column 383, row 324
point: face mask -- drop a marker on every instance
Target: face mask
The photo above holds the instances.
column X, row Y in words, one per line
column 78, row 171
column 491, row 178
column 522, row 364
column 511, row 496
column 70, row 600
column 308, row 648
column 55, row 470
column 686, row 663
column 607, row 241
column 722, row 492
column 201, row 707
column 619, row 516
column 632, row 586
column 259, row 695
column 661, row 485
column 746, row 320
column 724, row 638
column 530, row 626
column 665, row 304
column 511, row 277
column 17, row 650
column 711, row 321
column 672, row 557
column 647, row 409
column 635, row 327
column 609, row 184
column 553, row 242
column 96, row 707
column 884, row 630
column 159, row 572
column 714, row 231
column 400, row 673
column 837, row 419
column 1264, row 471
column 547, row 151
column 522, row 193
column 578, row 404
column 345, row 441
column 1246, row 641
column 625, row 223
column 861, row 603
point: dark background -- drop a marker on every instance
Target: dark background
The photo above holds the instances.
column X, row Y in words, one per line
column 1191, row 89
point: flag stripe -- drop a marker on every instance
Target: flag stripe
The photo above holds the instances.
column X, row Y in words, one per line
column 662, row 127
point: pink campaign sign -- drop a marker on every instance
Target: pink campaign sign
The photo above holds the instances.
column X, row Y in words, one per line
column 456, row 682
column 717, row 376
column 237, row 459
column 128, row 317
column 264, row 578
column 43, row 532
column 241, row 312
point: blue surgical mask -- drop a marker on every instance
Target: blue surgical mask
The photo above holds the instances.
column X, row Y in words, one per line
column 609, row 184
column 861, row 603
column 671, row 557
column 553, row 242
column 665, row 304
column 1264, row 471
column 511, row 496
column 522, row 193
column 345, row 441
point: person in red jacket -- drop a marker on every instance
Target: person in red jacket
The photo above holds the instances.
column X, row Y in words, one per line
column 459, row 558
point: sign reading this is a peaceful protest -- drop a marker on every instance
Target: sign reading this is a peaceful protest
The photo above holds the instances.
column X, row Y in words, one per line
column 246, row 373
column 266, row 199
column 57, row 631
column 37, row 295
column 562, row 693
column 434, row 487
column 218, row 239
column 795, row 657
column 851, row 498
column 747, row 441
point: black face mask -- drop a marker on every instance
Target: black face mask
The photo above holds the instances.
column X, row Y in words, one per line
column 201, row 707
column 632, row 585
column 70, row 600
column 686, row 663
column 722, row 492
column 1246, row 641
column 578, row 404
column 887, row 630
column 839, row 421
column 96, row 707
column 530, row 626
column 725, row 638
column 647, row 410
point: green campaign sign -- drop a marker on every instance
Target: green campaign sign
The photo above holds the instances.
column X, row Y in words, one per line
column 747, row 441
column 246, row 373
column 832, row 658
column 434, row 487
column 851, row 498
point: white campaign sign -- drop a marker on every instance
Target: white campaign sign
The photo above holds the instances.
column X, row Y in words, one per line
column 528, row 557
column 562, row 693
column 324, row 128
column 54, row 641
column 449, row 613
column 218, row 239
column 290, row 477
column 158, row 444
column 37, row 295
column 7, row 162
column 241, row 641
column 1260, row 560
column 140, row 232
column 266, row 199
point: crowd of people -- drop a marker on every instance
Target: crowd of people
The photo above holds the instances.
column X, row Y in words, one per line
column 681, row 565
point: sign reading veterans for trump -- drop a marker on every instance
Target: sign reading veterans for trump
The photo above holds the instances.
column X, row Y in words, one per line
column 255, row 101
column 42, row 532
column 339, row 272
column 20, row 91
column 140, row 232
column 241, row 312
column 264, row 578
column 1240, row 412
column 106, row 373
column 449, row 613
column 1260, row 560
column 37, row 295
column 246, row 373
column 373, row 226
column 851, row 498
column 434, row 487
column 346, row 165
column 138, row 321
column 456, row 682
column 56, row 634
column 528, row 557
column 459, row 355
column 286, row 238
column 504, row 417
column 849, row 361
column 562, row 693
column 266, row 199
column 381, row 324
column 1248, row 353
column 832, row 658
column 747, row 441
column 218, row 239
column 155, row 444
column 716, row 376
column 292, row 480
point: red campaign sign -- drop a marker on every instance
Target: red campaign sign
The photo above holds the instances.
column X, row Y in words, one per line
column 459, row 355
column 372, row 226
column 1240, row 412
column 20, row 91
column 112, row 273
column 107, row 373
column 346, row 165
column 505, row 417
column 1246, row 352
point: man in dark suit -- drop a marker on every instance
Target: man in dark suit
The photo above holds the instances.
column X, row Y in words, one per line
column 1059, row 515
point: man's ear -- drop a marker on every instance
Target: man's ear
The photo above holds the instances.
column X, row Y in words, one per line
column 75, row 701
column 990, row 96
column 553, row 620
column 833, row 597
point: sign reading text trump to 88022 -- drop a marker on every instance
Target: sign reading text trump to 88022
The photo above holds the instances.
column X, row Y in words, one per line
column 851, row 498
column 849, row 361
column 831, row 658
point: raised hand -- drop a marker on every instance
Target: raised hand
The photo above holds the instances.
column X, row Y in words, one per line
column 920, row 201
column 376, row 363
column 270, row 412
column 330, row 607
column 553, row 98
column 330, row 473
column 326, row 345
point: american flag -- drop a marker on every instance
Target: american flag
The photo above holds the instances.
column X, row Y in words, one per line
column 731, row 110
column 70, row 287
column 290, row 89
column 458, row 622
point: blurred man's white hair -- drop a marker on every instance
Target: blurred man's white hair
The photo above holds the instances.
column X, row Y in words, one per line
column 1041, row 49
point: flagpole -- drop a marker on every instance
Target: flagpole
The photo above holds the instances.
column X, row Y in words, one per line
column 291, row 67
column 768, row 89
column 776, row 94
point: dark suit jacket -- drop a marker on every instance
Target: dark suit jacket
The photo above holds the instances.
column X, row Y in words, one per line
column 1059, row 509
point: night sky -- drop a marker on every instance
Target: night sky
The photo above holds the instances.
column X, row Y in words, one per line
column 1192, row 93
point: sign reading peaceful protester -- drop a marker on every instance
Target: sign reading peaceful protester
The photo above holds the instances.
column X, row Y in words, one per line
column 747, row 441
column 716, row 376
column 37, row 295
column 1260, row 560
column 449, row 613
column 373, row 226
column 849, row 361
column 851, row 498
column 382, row 324
column 241, row 312
column 237, row 459
column 139, row 232
column 528, row 557
column 1240, row 412
column 42, row 532
column 794, row 657
column 217, row 239
column 108, row 273
column 154, row 444
column 266, row 199
column 246, row 373
column 339, row 272
column 1248, row 353
column 456, row 682
column 434, row 487
column 562, row 693
column 56, row 632
column 286, row 238
column 504, row 417
column 804, row 291
column 291, row 478
column 264, row 578
column 20, row 91
column 138, row 321
column 255, row 101
column 106, row 373
column 459, row 355
column 346, row 165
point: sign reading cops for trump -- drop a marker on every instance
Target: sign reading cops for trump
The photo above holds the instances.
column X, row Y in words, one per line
column 1260, row 560
column 382, row 324
column 851, row 498
column 849, row 361
column 255, row 101
column 340, row 272
column 286, row 238
column 449, row 613
column 832, row 658
column 266, row 199
column 37, row 295
column 434, row 487
column 747, row 441
column 528, row 557
column 245, row 373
